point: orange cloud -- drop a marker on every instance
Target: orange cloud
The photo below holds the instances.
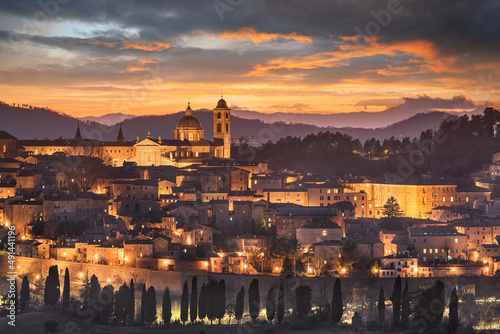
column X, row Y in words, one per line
column 258, row 37
column 139, row 66
column 424, row 52
column 155, row 46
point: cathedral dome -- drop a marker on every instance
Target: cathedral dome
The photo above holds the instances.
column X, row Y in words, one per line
column 222, row 104
column 189, row 122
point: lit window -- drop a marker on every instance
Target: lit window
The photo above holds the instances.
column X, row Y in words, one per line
column 324, row 233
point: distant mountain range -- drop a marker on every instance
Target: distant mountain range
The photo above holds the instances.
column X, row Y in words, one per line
column 39, row 123
column 108, row 119
column 370, row 120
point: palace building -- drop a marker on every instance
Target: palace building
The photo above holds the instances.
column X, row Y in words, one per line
column 189, row 145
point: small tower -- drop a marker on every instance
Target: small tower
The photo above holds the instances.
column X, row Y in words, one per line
column 120, row 137
column 222, row 127
column 78, row 134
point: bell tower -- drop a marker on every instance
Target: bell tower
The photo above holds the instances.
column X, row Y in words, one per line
column 222, row 127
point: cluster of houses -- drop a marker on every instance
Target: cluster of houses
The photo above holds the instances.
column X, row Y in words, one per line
column 170, row 217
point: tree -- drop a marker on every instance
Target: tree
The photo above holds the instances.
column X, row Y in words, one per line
column 287, row 267
column 240, row 300
column 337, row 305
column 121, row 300
column 52, row 287
column 194, row 300
column 66, row 290
column 94, row 292
column 381, row 307
column 405, row 306
column 254, row 299
column 430, row 307
column 349, row 253
column 211, row 303
column 150, row 303
column 85, row 164
column 392, row 208
column 202, row 303
column 143, row 303
column 84, row 291
column 106, row 300
column 221, row 300
column 303, row 300
column 281, row 305
column 166, row 307
column 396, row 302
column 453, row 311
column 271, row 305
column 184, row 303
column 25, row 294
column 131, row 302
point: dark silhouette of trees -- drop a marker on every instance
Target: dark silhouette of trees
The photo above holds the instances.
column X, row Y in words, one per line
column 271, row 305
column 106, row 301
column 166, row 307
column 396, row 302
column 453, row 308
column 143, row 302
column 25, row 294
column 51, row 326
column 184, row 303
column 349, row 253
column 150, row 306
column 254, row 299
column 381, row 307
column 94, row 292
column 131, row 302
column 287, row 268
column 337, row 304
column 211, row 304
column 240, row 300
column 121, row 301
column 430, row 308
column 405, row 306
column 303, row 300
column 194, row 300
column 221, row 300
column 202, row 303
column 392, row 208
column 66, row 290
column 280, row 312
column 52, row 287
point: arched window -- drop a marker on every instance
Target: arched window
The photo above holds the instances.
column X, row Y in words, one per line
column 196, row 153
column 227, row 127
column 218, row 115
column 219, row 127
column 182, row 136
column 4, row 148
column 191, row 137
column 227, row 115
column 198, row 136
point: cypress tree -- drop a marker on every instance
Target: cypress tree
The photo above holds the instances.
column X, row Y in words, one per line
column 337, row 305
column 240, row 300
column 143, row 302
column 453, row 311
column 396, row 302
column 166, row 309
column 84, row 291
column 106, row 300
column 52, row 288
column 150, row 303
column 25, row 294
column 95, row 288
column 184, row 303
column 405, row 306
column 271, row 305
column 131, row 302
column 121, row 300
column 281, row 305
column 439, row 289
column 303, row 300
column 202, row 303
column 221, row 300
column 211, row 295
column 381, row 307
column 66, row 290
column 193, row 314
column 254, row 299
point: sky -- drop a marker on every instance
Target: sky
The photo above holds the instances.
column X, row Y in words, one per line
column 142, row 57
